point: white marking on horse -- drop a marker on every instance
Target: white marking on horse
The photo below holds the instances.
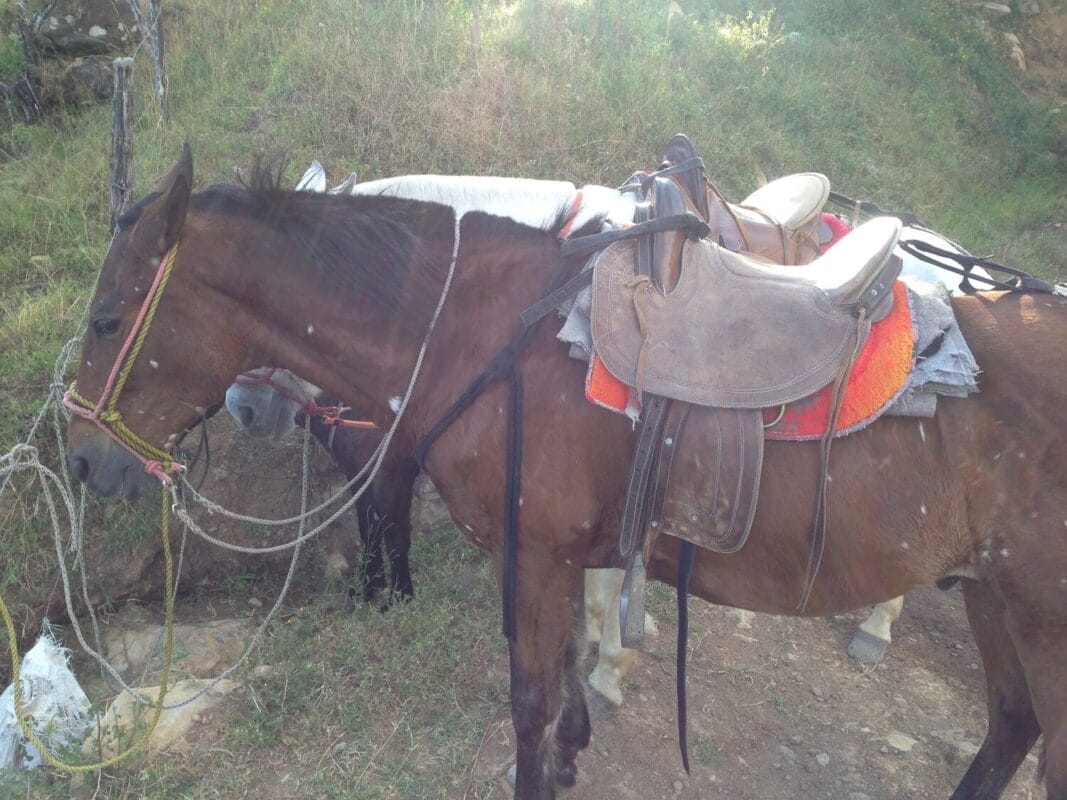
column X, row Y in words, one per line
column 311, row 329
column 394, row 404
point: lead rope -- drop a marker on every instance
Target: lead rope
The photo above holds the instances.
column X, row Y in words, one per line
column 168, row 649
column 160, row 467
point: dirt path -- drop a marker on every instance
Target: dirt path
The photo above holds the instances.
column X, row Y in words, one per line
column 779, row 711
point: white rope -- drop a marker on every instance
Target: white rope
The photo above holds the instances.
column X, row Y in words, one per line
column 25, row 457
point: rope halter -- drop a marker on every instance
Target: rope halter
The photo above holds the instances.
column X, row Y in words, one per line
column 328, row 415
column 105, row 413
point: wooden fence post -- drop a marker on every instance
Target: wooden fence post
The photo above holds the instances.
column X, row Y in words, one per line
column 150, row 23
column 121, row 138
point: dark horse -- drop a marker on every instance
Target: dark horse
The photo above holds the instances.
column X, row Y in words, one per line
column 978, row 491
column 271, row 403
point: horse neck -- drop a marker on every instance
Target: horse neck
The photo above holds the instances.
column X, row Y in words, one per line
column 340, row 335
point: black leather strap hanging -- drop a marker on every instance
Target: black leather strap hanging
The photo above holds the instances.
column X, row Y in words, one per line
column 686, row 556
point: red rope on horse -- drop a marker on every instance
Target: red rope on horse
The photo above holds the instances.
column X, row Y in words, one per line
column 329, row 415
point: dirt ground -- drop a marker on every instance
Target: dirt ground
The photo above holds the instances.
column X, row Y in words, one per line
column 778, row 710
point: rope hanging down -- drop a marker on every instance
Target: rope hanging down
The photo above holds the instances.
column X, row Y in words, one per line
column 105, row 415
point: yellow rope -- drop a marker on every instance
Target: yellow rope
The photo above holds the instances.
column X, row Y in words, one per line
column 131, row 357
column 168, row 657
column 112, row 418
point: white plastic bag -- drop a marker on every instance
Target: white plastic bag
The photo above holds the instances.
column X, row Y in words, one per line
column 54, row 701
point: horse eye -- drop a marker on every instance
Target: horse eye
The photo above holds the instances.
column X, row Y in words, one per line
column 106, row 326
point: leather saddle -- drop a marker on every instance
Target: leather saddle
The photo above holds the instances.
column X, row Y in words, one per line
column 735, row 332
column 778, row 222
column 709, row 336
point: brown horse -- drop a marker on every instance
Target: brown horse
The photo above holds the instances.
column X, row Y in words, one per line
column 978, row 491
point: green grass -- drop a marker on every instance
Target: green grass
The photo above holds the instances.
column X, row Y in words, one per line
column 903, row 103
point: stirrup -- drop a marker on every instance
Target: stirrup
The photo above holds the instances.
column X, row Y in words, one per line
column 632, row 603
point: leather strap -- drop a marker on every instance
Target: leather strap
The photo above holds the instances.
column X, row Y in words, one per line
column 818, row 524
column 653, row 413
column 686, row 557
column 693, row 225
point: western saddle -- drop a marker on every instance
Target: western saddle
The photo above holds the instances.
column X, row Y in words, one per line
column 709, row 331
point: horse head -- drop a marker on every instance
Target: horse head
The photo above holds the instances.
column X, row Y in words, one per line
column 197, row 288
column 267, row 401
column 150, row 370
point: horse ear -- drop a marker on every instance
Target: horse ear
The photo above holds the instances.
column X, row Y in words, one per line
column 161, row 222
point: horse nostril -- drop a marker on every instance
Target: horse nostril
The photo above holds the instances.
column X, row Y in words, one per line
column 246, row 416
column 79, row 466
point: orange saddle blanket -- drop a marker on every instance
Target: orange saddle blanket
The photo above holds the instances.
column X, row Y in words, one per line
column 877, row 379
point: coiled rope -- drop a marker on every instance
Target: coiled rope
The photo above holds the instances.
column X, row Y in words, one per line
column 25, row 457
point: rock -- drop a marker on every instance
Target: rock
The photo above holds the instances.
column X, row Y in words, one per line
column 1029, row 8
column 428, row 510
column 127, row 716
column 955, row 745
column 86, row 27
column 1018, row 57
column 86, row 81
column 787, row 752
column 815, row 690
column 996, row 9
column 900, row 742
column 822, row 759
column 202, row 650
column 744, row 618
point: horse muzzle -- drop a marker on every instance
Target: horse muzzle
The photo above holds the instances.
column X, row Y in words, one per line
column 109, row 470
column 260, row 411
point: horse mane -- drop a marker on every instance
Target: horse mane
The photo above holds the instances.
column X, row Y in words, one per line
column 334, row 230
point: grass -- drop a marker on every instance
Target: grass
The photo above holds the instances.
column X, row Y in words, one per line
column 904, row 103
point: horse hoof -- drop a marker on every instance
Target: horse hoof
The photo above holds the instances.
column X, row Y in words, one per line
column 867, row 649
column 566, row 776
column 598, row 704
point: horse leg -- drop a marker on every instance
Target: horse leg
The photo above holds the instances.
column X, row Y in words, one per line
column 1042, row 646
column 613, row 660
column 372, row 565
column 870, row 641
column 594, row 603
column 540, row 654
column 1013, row 726
column 395, row 492
column 573, row 729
